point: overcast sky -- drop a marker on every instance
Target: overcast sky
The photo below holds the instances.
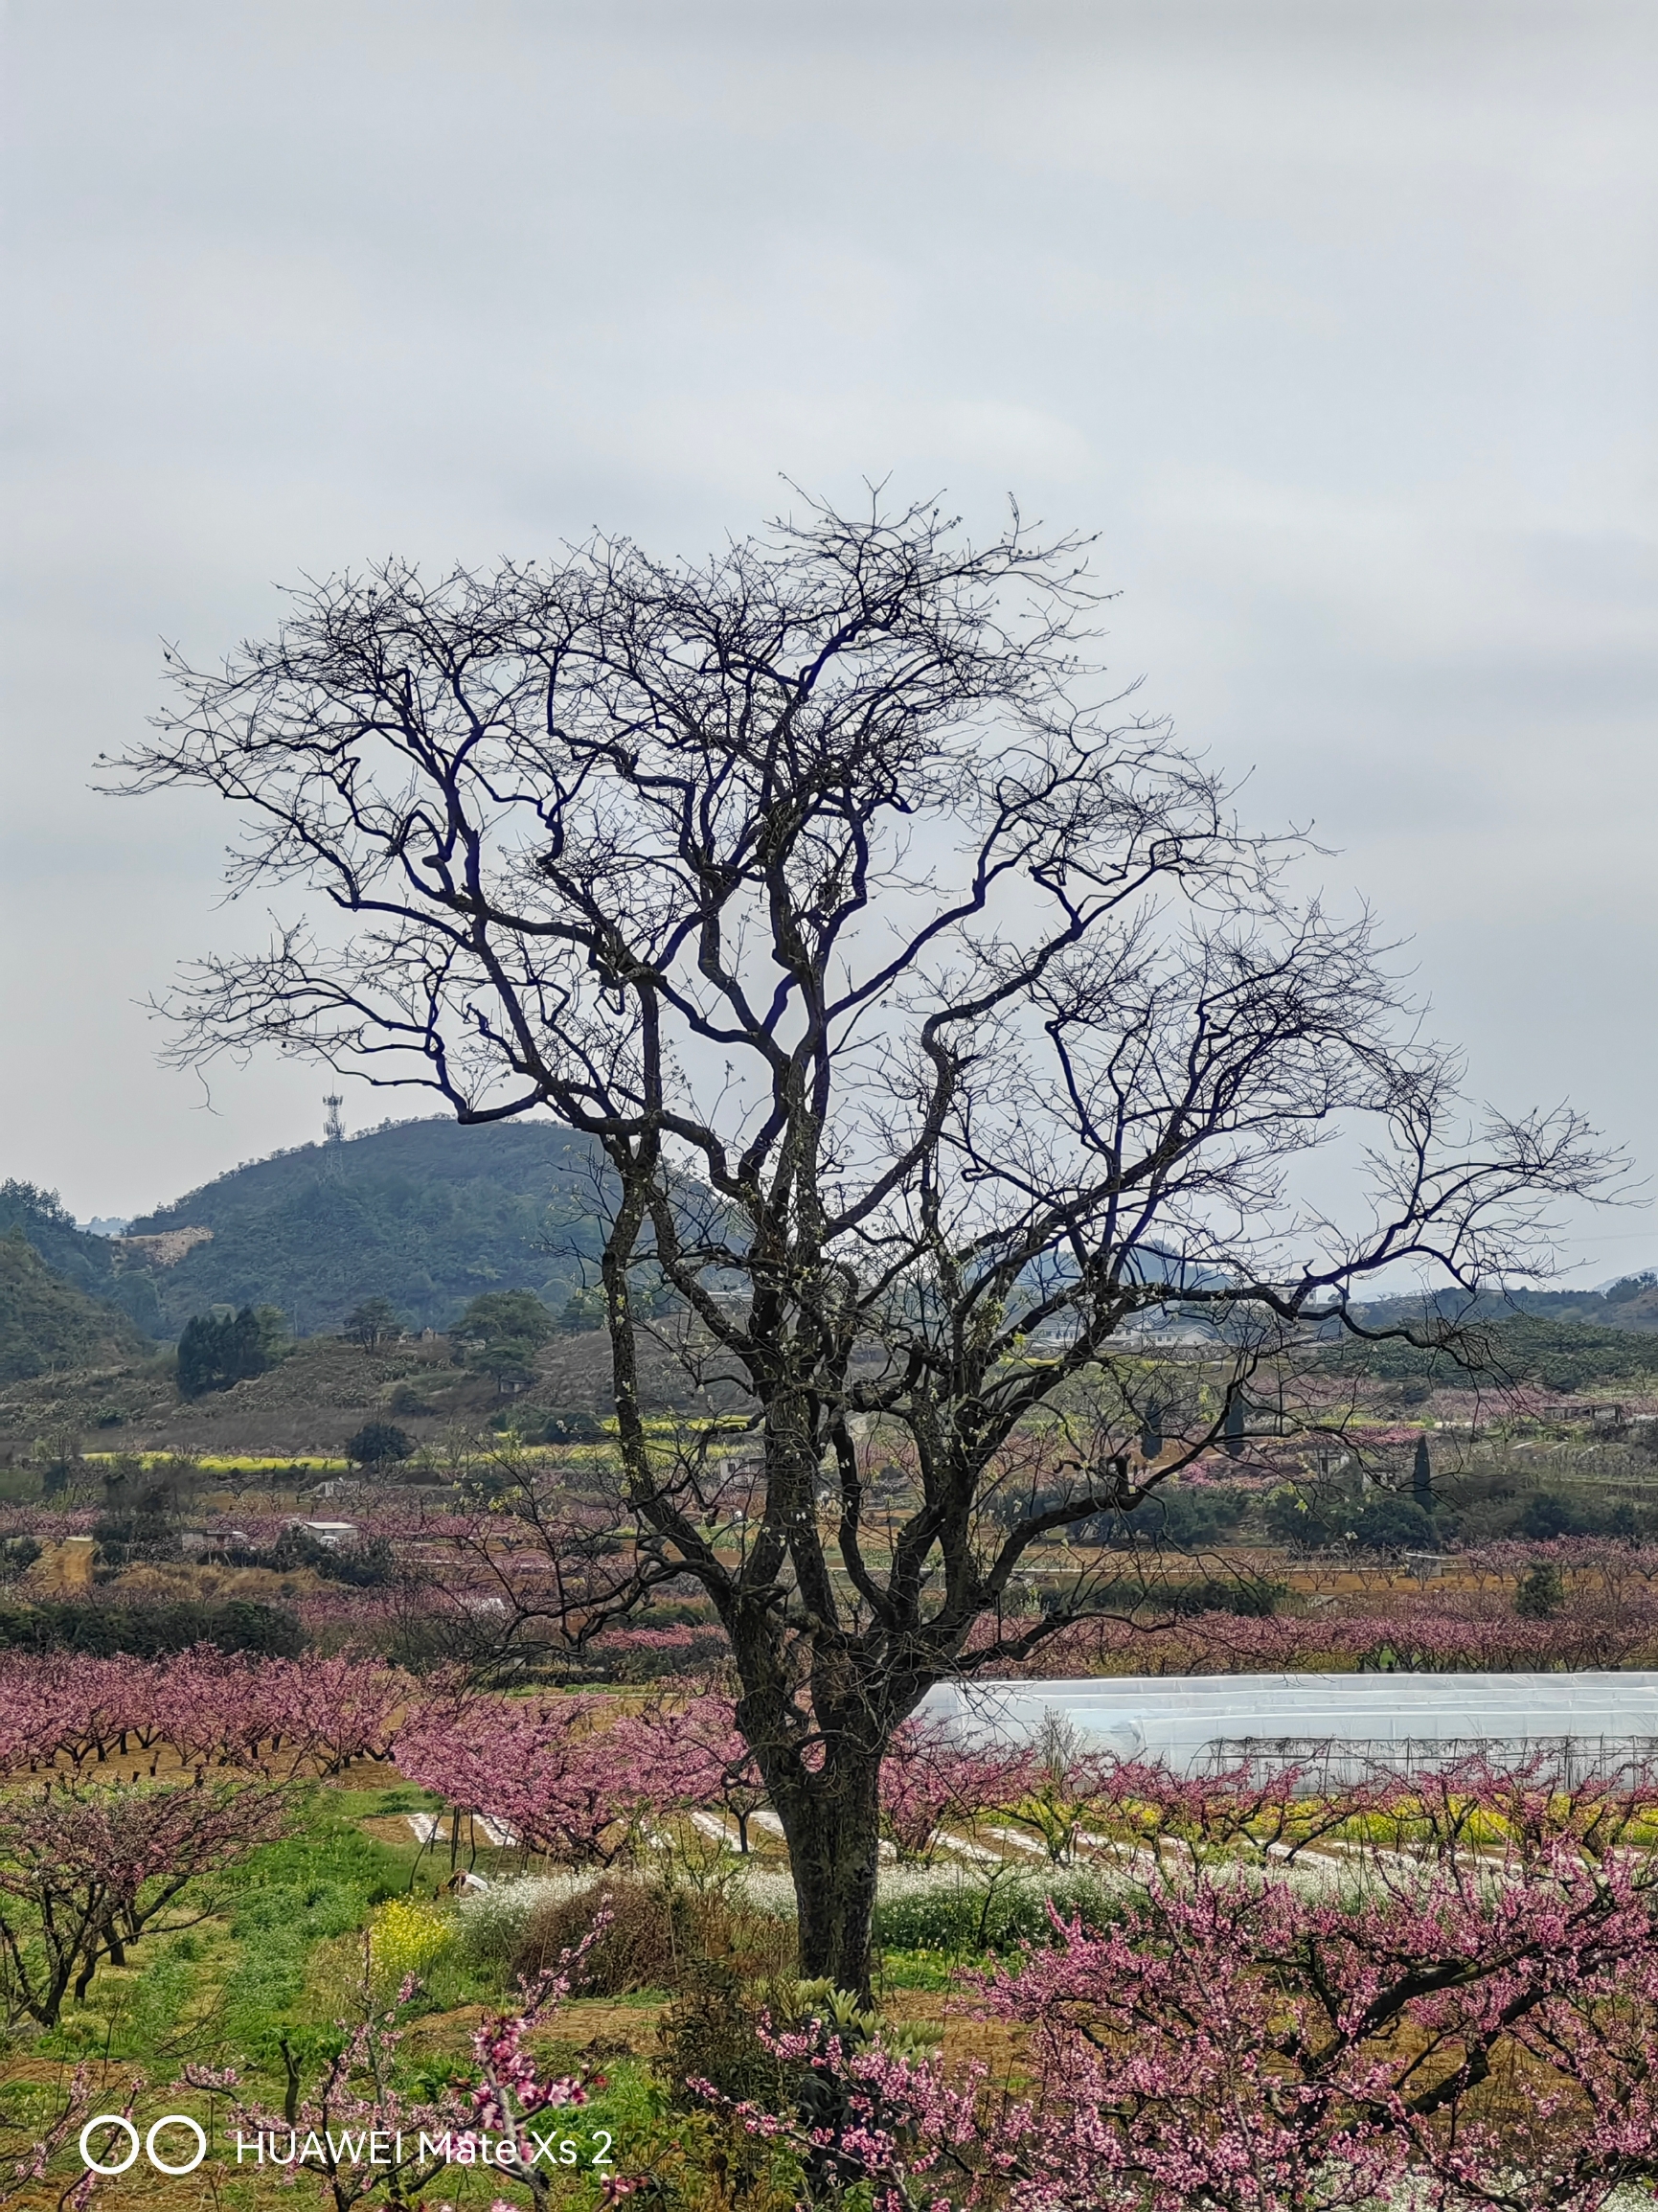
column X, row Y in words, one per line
column 1335, row 321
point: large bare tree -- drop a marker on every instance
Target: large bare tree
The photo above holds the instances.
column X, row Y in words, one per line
column 921, row 1002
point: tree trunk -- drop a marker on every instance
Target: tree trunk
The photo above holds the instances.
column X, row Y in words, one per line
column 834, row 1830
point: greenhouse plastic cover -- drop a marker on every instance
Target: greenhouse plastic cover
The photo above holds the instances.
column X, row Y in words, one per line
column 1334, row 1722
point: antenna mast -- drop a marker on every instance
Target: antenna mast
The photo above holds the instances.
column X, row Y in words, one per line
column 333, row 1128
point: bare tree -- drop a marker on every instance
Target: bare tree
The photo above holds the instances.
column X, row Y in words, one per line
column 921, row 1002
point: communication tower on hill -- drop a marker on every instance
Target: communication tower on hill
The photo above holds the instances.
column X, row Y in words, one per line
column 333, row 1128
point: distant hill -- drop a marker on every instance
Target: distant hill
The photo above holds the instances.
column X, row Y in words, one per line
column 47, row 1323
column 1629, row 1303
column 1586, row 1344
column 93, row 1264
column 427, row 1213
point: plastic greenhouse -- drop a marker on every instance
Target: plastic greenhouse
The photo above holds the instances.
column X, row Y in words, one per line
column 1335, row 1726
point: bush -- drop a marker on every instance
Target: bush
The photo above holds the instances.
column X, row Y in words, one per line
column 1182, row 1519
column 559, row 1425
column 1250, row 1596
column 378, row 1443
column 713, row 2034
column 126, row 1539
column 1548, row 1515
column 654, row 1935
column 1300, row 1521
column 17, row 1555
column 365, row 1566
column 1389, row 1524
column 1542, row 1594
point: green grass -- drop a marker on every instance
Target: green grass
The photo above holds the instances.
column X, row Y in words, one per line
column 928, row 1970
column 273, row 1957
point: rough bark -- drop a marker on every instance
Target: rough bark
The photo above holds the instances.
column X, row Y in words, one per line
column 830, row 1821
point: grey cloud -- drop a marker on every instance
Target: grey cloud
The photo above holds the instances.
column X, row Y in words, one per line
column 1334, row 319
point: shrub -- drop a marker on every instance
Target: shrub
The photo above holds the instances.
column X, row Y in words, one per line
column 1548, row 1515
column 378, row 1443
column 713, row 2034
column 557, row 1424
column 1541, row 1593
column 655, row 1934
column 1245, row 1595
column 365, row 1566
column 125, row 1539
column 1394, row 1524
column 1183, row 1518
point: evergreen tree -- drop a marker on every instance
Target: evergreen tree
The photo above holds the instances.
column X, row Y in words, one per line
column 1232, row 1428
column 218, row 1351
column 244, row 1347
column 197, row 1355
column 1422, row 1476
column 1151, row 1431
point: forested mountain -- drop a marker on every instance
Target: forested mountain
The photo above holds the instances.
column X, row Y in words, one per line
column 47, row 1323
column 427, row 1213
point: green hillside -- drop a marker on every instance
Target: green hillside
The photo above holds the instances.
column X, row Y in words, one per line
column 1559, row 1354
column 47, row 1323
column 93, row 1264
column 427, row 1213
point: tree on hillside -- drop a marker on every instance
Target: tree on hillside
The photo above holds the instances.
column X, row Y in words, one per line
column 583, row 1310
column 379, row 1443
column 373, row 1323
column 218, row 1351
column 502, row 1332
column 516, row 1314
column 921, row 1002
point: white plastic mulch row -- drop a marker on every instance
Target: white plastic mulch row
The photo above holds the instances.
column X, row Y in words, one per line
column 431, row 1828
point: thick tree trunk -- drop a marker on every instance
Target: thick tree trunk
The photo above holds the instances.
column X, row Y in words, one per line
column 832, row 1826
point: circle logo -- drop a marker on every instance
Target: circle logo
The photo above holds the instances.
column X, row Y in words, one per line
column 161, row 2165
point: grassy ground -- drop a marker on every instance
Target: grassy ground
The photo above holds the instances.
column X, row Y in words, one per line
column 272, row 1959
column 275, row 1957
